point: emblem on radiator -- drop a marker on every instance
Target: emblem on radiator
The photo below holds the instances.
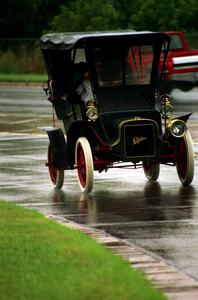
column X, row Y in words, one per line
column 138, row 139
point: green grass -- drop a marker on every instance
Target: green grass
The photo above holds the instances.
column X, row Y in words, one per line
column 40, row 259
column 22, row 78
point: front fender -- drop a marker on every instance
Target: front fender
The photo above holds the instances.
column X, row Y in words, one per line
column 59, row 148
column 184, row 117
column 79, row 129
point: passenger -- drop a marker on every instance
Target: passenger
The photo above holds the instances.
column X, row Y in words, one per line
column 84, row 88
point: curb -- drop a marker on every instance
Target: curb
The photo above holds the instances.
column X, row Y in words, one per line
column 175, row 284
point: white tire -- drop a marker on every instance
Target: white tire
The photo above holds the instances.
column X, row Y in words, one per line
column 57, row 176
column 151, row 170
column 185, row 161
column 84, row 165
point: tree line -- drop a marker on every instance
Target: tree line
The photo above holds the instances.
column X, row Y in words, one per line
column 32, row 18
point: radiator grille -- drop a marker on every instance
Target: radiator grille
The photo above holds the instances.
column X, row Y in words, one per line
column 139, row 140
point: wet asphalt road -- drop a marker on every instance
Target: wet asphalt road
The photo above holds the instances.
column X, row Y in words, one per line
column 160, row 217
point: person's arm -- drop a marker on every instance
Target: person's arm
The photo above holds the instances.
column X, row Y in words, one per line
column 85, row 91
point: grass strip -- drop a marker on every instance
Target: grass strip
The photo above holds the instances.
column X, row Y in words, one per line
column 40, row 259
column 22, row 77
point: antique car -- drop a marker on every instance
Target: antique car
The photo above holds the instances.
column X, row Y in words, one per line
column 125, row 127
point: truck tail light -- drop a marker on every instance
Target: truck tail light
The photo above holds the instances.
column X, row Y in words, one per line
column 169, row 65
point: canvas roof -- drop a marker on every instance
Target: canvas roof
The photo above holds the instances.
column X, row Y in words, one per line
column 69, row 40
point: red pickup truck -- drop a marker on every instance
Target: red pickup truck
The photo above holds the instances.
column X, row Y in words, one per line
column 182, row 63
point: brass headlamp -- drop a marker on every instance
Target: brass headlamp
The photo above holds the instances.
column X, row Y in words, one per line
column 92, row 113
column 166, row 108
column 177, row 128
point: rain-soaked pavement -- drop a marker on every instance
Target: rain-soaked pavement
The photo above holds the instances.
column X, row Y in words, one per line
column 160, row 217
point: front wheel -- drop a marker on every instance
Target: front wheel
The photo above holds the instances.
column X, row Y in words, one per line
column 84, row 163
column 185, row 160
column 151, row 170
column 57, row 176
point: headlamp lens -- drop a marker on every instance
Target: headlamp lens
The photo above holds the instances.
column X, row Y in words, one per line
column 177, row 128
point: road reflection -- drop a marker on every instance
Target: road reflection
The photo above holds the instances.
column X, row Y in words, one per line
column 153, row 203
column 85, row 206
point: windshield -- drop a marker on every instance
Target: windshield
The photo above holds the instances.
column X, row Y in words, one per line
column 176, row 42
column 131, row 65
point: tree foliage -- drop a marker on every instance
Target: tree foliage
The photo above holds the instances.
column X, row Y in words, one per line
column 166, row 15
column 19, row 19
column 86, row 16
column 30, row 18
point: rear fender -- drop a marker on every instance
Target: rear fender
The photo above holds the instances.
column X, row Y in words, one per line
column 59, row 148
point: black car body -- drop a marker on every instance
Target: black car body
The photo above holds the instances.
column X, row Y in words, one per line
column 124, row 126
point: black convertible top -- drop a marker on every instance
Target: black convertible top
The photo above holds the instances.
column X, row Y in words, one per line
column 69, row 40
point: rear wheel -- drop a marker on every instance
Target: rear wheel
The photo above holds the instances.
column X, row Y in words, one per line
column 57, row 176
column 151, row 170
column 185, row 160
column 84, row 163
